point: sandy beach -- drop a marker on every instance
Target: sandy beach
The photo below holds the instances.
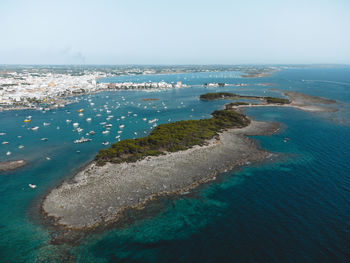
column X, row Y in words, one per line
column 99, row 194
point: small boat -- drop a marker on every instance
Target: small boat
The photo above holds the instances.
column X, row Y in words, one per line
column 81, row 110
column 46, row 123
column 32, row 186
column 75, row 124
column 88, row 119
column 91, row 132
column 105, row 132
column 27, row 120
column 105, row 143
column 81, row 114
column 34, row 128
column 8, row 153
column 121, row 126
column 44, row 139
column 2, row 133
column 119, row 132
column 82, row 140
column 5, row 143
column 20, row 147
column 68, row 121
column 48, row 158
column 151, row 121
column 144, row 119
column 79, row 130
column 108, row 125
column 122, row 117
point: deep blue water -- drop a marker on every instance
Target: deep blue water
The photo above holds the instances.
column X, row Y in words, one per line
column 294, row 209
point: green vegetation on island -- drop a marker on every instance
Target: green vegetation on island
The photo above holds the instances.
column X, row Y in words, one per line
column 232, row 105
column 172, row 137
column 273, row 100
column 232, row 96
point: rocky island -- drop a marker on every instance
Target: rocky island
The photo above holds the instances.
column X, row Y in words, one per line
column 172, row 159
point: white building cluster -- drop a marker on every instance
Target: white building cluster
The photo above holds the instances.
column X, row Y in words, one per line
column 146, row 85
column 23, row 88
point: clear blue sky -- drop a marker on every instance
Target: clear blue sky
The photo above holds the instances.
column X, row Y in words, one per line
column 174, row 31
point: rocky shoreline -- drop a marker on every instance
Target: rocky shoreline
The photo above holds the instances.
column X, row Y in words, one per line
column 99, row 194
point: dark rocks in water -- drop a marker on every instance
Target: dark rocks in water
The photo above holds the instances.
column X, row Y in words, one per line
column 11, row 165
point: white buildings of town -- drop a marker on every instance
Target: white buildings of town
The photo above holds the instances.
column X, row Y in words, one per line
column 30, row 89
column 25, row 87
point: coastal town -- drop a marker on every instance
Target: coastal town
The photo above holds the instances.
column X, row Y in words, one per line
column 41, row 89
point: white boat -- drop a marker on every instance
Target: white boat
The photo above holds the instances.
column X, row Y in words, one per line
column 81, row 114
column 151, row 121
column 122, row 117
column 91, row 132
column 20, row 147
column 68, row 121
column 75, row 124
column 105, row 143
column 8, row 153
column 121, row 126
column 46, row 123
column 108, row 125
column 2, row 133
column 144, row 119
column 88, row 119
column 44, row 139
column 34, row 128
column 105, row 132
column 82, row 140
column 48, row 158
column 5, row 143
column 32, row 186
column 79, row 130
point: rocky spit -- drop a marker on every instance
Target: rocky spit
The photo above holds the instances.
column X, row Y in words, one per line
column 99, row 194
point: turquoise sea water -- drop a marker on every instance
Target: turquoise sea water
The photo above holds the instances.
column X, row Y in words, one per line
column 295, row 209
